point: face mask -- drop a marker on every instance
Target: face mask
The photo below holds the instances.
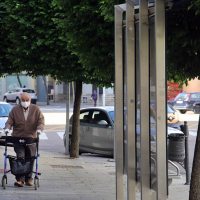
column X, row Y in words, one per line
column 25, row 104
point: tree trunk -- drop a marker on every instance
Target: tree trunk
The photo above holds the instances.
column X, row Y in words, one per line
column 45, row 84
column 195, row 178
column 20, row 84
column 74, row 151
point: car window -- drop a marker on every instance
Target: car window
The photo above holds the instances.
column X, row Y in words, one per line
column 84, row 117
column 112, row 115
column 95, row 117
column 103, row 116
column 170, row 109
column 98, row 115
column 182, row 96
column 28, row 90
column 5, row 110
column 17, row 90
column 195, row 96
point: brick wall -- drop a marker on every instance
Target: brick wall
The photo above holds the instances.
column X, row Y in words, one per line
column 193, row 86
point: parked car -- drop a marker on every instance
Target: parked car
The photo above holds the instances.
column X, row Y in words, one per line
column 5, row 109
column 14, row 95
column 186, row 101
column 97, row 130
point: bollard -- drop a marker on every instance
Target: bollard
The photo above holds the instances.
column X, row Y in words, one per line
column 186, row 162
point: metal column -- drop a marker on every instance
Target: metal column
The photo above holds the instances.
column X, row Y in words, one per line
column 144, row 97
column 119, row 9
column 161, row 99
column 67, row 118
column 137, row 54
column 130, row 83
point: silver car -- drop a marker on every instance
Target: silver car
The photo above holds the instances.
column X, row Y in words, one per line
column 5, row 109
column 97, row 130
column 14, row 95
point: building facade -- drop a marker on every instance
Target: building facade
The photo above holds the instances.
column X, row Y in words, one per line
column 56, row 92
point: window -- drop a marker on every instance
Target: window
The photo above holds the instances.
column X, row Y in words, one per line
column 95, row 117
column 112, row 115
column 28, row 90
column 182, row 96
column 170, row 109
column 84, row 117
column 5, row 110
column 195, row 96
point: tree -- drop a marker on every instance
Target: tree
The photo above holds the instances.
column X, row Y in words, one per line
column 19, row 81
column 90, row 37
column 183, row 42
column 89, row 33
column 35, row 46
column 4, row 43
column 40, row 45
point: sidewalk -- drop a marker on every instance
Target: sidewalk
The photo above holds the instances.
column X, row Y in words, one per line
column 86, row 178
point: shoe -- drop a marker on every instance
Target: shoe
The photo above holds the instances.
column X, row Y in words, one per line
column 19, row 183
column 29, row 183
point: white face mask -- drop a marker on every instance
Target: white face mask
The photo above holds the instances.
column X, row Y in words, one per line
column 25, row 104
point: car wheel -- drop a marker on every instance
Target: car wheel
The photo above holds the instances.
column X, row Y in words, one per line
column 17, row 101
column 5, row 99
column 196, row 110
column 183, row 111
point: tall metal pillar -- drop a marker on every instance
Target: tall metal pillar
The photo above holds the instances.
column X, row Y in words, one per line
column 144, row 97
column 161, row 99
column 130, row 83
column 137, row 53
column 67, row 118
column 119, row 10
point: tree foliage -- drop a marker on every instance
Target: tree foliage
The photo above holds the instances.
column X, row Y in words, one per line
column 34, row 44
column 90, row 35
column 183, row 42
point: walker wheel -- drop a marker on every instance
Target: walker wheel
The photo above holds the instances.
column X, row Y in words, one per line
column 4, row 185
column 36, row 182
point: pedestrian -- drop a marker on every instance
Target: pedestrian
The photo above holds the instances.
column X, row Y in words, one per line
column 27, row 120
column 24, row 86
column 94, row 97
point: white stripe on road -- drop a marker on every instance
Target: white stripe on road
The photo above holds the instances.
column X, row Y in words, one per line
column 192, row 133
column 61, row 134
column 43, row 136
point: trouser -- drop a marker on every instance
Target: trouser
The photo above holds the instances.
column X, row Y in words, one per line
column 21, row 152
column 95, row 102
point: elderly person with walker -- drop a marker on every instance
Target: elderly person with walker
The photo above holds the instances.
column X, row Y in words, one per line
column 27, row 120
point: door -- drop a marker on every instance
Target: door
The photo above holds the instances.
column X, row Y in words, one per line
column 85, row 139
column 194, row 98
column 10, row 95
column 101, row 132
